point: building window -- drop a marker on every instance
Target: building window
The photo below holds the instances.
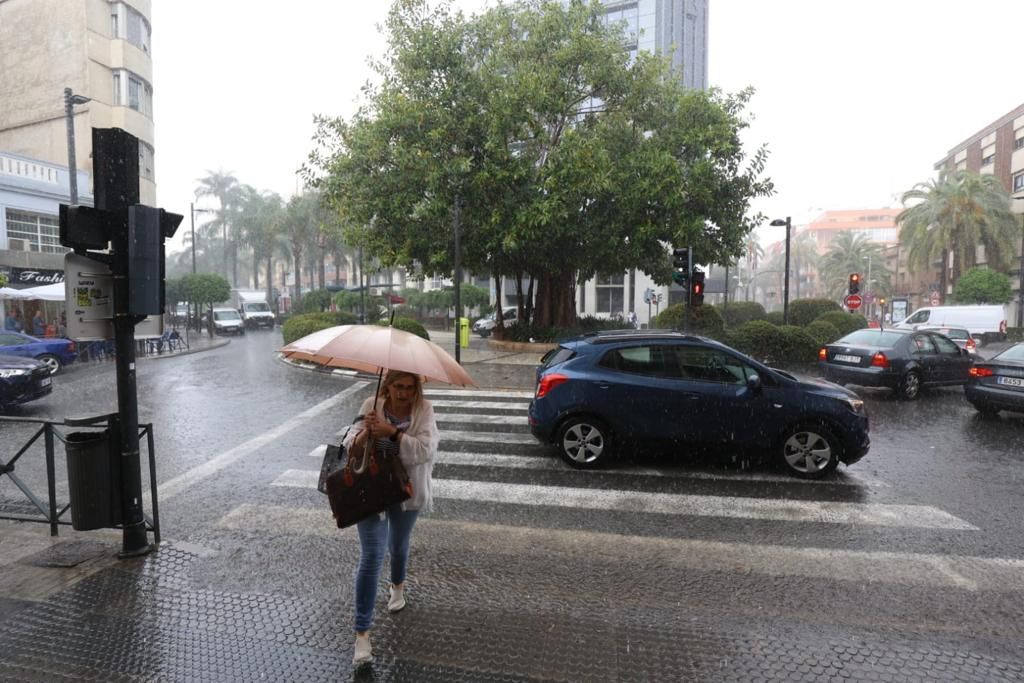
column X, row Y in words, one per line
column 1018, row 143
column 131, row 90
column 39, row 232
column 127, row 24
column 988, row 160
column 146, row 161
column 610, row 293
column 1018, row 182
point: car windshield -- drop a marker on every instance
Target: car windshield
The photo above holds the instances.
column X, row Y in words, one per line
column 259, row 307
column 879, row 338
column 1012, row 353
column 225, row 315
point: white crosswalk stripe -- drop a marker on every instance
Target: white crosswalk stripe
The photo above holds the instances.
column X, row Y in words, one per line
column 467, row 393
column 917, row 516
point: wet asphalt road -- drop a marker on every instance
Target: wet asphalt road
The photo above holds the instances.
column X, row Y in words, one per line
column 942, row 486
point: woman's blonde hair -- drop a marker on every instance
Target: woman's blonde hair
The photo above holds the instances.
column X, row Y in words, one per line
column 393, row 376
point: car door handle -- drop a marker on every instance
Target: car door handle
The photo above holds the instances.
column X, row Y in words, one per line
column 602, row 385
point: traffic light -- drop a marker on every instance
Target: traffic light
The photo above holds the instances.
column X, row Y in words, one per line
column 681, row 265
column 696, row 288
column 854, row 286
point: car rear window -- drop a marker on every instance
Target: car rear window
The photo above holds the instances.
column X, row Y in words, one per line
column 866, row 337
column 1012, row 353
column 556, row 356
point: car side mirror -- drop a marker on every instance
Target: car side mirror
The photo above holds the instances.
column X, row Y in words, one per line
column 754, row 382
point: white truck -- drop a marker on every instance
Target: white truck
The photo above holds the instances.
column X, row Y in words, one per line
column 253, row 307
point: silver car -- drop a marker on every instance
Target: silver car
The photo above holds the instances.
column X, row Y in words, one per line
column 958, row 335
column 484, row 326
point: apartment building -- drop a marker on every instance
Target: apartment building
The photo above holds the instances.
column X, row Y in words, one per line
column 998, row 149
column 101, row 50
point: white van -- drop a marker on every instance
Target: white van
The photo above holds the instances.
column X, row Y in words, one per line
column 985, row 322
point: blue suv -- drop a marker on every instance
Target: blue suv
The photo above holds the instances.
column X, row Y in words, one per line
column 603, row 389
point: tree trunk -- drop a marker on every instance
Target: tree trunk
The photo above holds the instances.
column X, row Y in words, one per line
column 943, row 275
column 234, row 264
column 555, row 304
column 255, row 270
column 270, row 281
column 298, row 278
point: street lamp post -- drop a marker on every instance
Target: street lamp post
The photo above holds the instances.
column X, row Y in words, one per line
column 785, row 289
column 70, row 100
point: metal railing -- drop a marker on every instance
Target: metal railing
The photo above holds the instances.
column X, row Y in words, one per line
column 48, row 511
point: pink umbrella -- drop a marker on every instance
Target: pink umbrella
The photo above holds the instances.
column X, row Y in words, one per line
column 373, row 349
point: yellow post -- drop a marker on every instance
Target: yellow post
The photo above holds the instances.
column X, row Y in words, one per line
column 464, row 332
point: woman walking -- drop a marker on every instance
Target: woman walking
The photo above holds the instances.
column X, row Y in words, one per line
column 402, row 423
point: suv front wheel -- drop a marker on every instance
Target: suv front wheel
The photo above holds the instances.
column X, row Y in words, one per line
column 809, row 451
column 584, row 442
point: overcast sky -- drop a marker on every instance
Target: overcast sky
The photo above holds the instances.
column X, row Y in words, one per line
column 856, row 101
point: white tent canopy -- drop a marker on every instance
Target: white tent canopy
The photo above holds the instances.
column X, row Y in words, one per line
column 54, row 292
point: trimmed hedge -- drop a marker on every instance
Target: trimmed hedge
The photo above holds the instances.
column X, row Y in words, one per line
column 298, row 326
column 823, row 332
column 798, row 346
column 408, row 325
column 706, row 321
column 845, row 322
column 528, row 332
column 739, row 312
column 776, row 318
column 803, row 312
column 759, row 339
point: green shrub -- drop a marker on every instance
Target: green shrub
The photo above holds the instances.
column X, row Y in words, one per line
column 823, row 332
column 298, row 326
column 529, row 332
column 845, row 322
column 314, row 302
column 803, row 312
column 408, row 325
column 798, row 346
column 739, row 312
column 759, row 339
column 775, row 318
column 706, row 320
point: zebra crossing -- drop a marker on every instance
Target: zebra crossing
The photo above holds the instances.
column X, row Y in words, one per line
column 524, row 474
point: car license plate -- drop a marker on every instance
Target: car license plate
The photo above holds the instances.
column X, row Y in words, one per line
column 44, row 382
column 1011, row 382
column 846, row 359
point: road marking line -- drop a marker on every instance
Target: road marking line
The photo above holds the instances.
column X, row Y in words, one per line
column 482, row 419
column 470, row 393
column 485, row 405
column 488, row 437
column 546, row 464
column 736, row 507
column 551, row 545
column 182, row 482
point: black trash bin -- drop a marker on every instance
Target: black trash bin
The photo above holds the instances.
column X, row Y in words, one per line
column 93, row 481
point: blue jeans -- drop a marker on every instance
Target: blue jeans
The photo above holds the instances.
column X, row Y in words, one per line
column 376, row 535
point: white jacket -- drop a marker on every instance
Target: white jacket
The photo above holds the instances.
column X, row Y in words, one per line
column 417, row 449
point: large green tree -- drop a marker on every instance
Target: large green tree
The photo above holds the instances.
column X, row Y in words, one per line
column 953, row 214
column 983, row 286
column 568, row 159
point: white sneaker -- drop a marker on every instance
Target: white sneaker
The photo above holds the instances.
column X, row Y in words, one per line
column 363, row 652
column 396, row 603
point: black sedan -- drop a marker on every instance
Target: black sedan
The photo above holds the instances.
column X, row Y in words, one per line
column 903, row 360
column 998, row 383
column 22, row 380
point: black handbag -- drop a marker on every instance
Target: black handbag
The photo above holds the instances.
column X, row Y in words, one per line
column 358, row 487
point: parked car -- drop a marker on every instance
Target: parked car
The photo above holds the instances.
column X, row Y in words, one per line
column 987, row 323
column 56, row 353
column 998, row 383
column 960, row 336
column 484, row 326
column 227, row 321
column 902, row 360
column 604, row 389
column 22, row 380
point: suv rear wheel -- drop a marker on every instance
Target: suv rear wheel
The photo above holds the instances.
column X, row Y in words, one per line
column 809, row 451
column 584, row 442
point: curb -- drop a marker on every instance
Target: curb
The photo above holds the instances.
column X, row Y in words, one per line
column 520, row 347
column 213, row 345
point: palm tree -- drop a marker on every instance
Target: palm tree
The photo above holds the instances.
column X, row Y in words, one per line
column 224, row 187
column 262, row 216
column 954, row 214
column 299, row 226
column 851, row 252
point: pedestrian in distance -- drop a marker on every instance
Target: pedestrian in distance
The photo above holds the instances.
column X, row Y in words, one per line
column 398, row 420
column 12, row 321
column 38, row 324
